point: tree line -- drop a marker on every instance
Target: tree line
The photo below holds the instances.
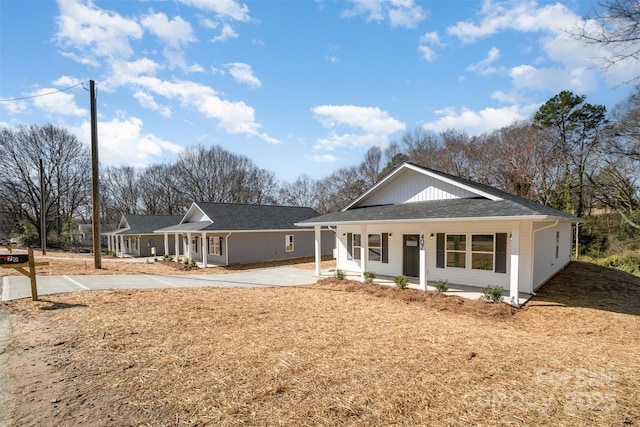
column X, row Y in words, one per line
column 571, row 155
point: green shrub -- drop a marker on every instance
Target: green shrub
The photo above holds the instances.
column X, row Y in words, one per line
column 492, row 293
column 193, row 262
column 441, row 285
column 369, row 276
column 169, row 258
column 340, row 274
column 401, row 281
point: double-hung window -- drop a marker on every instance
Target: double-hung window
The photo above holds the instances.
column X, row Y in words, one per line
column 457, row 250
column 288, row 243
column 375, row 247
column 194, row 245
column 215, row 246
column 482, row 251
column 357, row 246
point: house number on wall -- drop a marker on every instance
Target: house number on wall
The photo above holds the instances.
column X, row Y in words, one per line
column 421, row 241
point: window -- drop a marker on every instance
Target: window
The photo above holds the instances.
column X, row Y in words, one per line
column 457, row 250
column 134, row 244
column 482, row 251
column 288, row 242
column 215, row 245
column 375, row 247
column 357, row 245
column 194, row 245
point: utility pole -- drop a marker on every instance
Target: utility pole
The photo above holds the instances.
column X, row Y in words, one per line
column 95, row 193
column 43, row 214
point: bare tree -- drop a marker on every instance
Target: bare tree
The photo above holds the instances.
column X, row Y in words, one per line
column 302, row 192
column 66, row 165
column 617, row 28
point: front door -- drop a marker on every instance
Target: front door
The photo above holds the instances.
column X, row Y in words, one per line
column 411, row 255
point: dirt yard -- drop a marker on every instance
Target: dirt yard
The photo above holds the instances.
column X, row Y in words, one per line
column 333, row 353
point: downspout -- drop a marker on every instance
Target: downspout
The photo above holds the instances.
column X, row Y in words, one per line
column 226, row 249
column 533, row 251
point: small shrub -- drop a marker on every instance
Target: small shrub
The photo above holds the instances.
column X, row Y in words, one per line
column 193, row 262
column 369, row 276
column 186, row 261
column 492, row 293
column 340, row 274
column 401, row 281
column 169, row 258
column 441, row 285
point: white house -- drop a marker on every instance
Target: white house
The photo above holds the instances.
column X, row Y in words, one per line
column 430, row 225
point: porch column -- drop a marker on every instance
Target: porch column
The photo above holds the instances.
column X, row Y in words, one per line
column 166, row 243
column 423, row 263
column 364, row 250
column 109, row 242
column 318, row 248
column 121, row 246
column 176, row 243
column 514, row 267
column 187, row 250
column 205, row 250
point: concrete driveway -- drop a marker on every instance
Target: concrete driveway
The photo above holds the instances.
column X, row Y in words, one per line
column 14, row 287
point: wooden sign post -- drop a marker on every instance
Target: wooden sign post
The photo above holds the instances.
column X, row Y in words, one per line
column 20, row 262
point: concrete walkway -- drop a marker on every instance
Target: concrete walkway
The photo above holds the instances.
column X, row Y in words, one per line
column 14, row 287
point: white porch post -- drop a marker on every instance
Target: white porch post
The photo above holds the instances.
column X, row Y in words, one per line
column 514, row 288
column 187, row 250
column 423, row 263
column 205, row 250
column 364, row 250
column 109, row 242
column 166, row 243
column 121, row 246
column 318, row 251
column 176, row 243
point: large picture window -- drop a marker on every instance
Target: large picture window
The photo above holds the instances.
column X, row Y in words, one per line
column 457, row 250
column 482, row 250
column 215, row 245
column 375, row 247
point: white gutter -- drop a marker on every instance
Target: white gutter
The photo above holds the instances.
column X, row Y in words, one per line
column 226, row 248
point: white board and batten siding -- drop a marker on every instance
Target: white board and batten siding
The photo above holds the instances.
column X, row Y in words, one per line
column 480, row 278
column 411, row 186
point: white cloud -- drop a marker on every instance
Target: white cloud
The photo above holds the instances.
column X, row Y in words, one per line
column 325, row 158
column 224, row 9
column 484, row 67
column 523, row 16
column 242, row 73
column 147, row 101
column 427, row 42
column 226, row 33
column 95, row 32
column 400, row 13
column 175, row 32
column 478, row 122
column 373, row 126
column 577, row 79
column 122, row 142
column 62, row 103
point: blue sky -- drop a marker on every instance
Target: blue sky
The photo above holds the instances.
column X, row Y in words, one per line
column 298, row 86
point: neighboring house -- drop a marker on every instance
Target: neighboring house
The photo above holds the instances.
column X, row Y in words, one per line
column 433, row 226
column 135, row 236
column 83, row 235
column 225, row 233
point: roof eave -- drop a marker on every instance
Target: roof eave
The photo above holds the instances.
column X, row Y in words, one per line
column 458, row 219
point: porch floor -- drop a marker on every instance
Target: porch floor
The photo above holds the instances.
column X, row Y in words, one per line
column 469, row 292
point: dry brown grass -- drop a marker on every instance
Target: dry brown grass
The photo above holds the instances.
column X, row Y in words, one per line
column 69, row 263
column 333, row 353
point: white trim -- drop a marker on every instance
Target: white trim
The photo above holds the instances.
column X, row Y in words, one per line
column 457, row 219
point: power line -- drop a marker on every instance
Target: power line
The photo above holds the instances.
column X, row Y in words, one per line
column 42, row 94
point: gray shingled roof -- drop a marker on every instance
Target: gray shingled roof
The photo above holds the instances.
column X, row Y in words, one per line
column 451, row 209
column 147, row 224
column 243, row 217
